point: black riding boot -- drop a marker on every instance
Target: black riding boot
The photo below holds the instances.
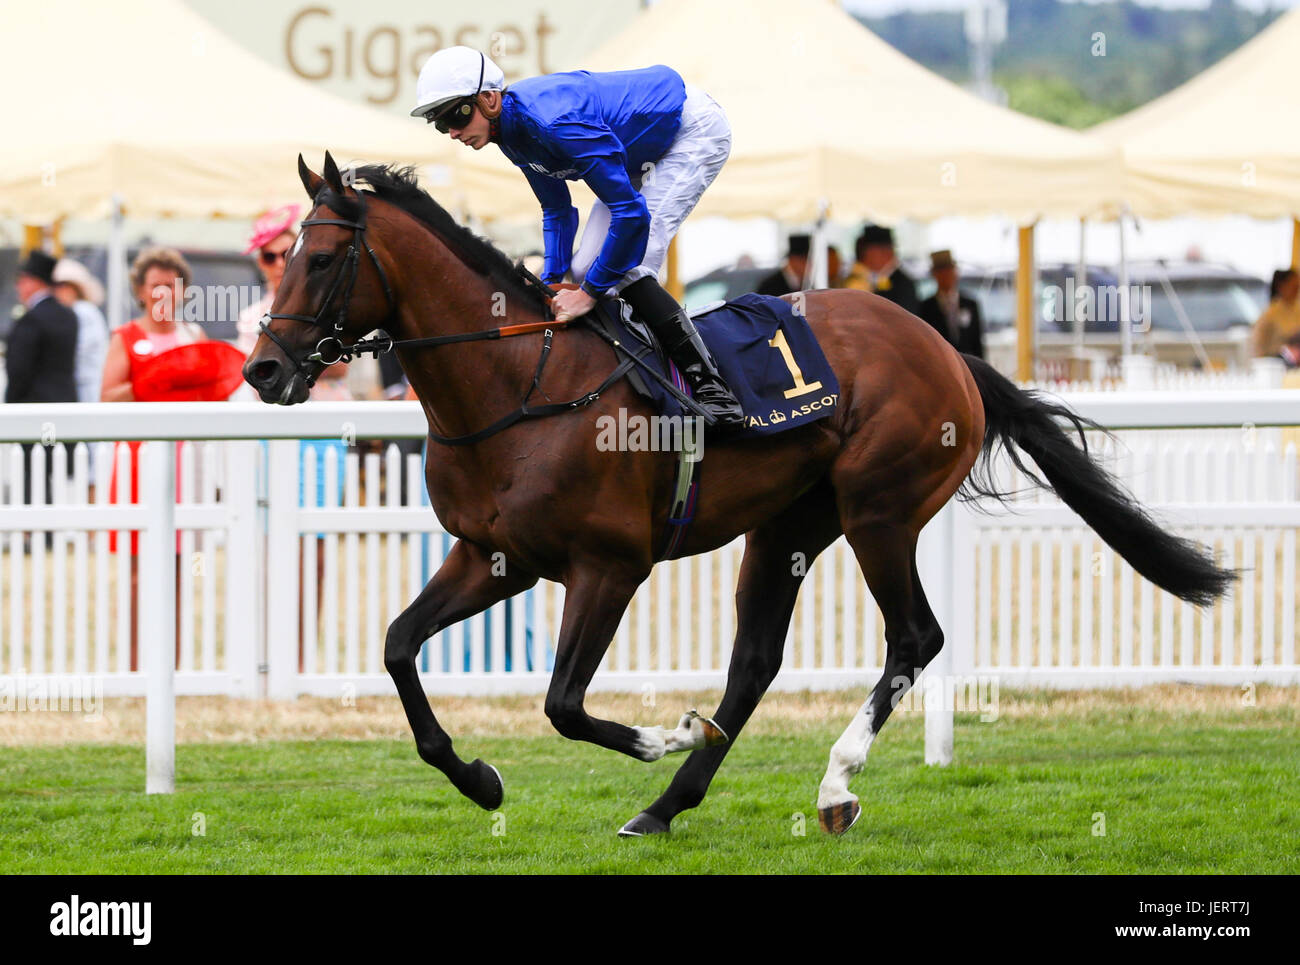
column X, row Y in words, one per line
column 686, row 348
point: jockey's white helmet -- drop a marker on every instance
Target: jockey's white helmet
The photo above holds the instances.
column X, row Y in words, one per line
column 452, row 73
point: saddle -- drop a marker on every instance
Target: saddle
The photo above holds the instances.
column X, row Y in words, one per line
column 766, row 351
column 632, row 339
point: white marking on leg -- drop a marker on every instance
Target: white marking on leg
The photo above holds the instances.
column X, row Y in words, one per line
column 650, row 743
column 688, row 736
column 848, row 755
column 654, row 742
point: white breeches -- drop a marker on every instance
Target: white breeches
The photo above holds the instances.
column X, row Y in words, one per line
column 671, row 187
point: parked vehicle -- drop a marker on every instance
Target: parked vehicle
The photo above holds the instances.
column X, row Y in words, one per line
column 1215, row 298
column 723, row 284
column 1219, row 302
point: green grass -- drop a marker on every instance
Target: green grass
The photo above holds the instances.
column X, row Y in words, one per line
column 1181, row 793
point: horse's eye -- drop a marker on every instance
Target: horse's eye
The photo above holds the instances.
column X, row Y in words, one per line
column 319, row 261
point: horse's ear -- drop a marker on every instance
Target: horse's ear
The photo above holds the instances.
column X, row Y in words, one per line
column 332, row 176
column 311, row 181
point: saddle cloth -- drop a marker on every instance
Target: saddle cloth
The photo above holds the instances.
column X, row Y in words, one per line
column 764, row 349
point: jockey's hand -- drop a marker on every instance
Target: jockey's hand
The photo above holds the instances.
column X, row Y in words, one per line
column 571, row 303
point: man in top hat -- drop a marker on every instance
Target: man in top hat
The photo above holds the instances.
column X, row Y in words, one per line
column 41, row 356
column 40, row 360
column 790, row 276
column 877, row 268
column 955, row 316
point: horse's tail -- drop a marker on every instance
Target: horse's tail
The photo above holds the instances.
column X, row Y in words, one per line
column 1026, row 419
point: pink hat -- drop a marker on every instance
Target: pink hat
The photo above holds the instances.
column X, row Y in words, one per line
column 271, row 225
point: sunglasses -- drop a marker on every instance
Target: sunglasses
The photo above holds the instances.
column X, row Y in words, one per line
column 458, row 113
column 269, row 258
column 453, row 118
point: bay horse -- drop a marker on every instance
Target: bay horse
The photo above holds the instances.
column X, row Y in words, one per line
column 913, row 420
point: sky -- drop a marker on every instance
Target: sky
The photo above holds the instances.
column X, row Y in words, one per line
column 877, row 8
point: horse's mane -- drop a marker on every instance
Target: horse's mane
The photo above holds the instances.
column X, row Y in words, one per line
column 399, row 186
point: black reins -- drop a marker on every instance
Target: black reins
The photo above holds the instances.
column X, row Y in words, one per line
column 331, row 349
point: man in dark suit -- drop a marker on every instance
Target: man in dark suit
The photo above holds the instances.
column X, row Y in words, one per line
column 790, row 276
column 955, row 316
column 877, row 269
column 40, row 359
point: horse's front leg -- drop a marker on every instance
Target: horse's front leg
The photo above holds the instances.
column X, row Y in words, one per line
column 594, row 603
column 464, row 585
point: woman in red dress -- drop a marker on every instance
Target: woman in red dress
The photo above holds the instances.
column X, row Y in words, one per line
column 159, row 277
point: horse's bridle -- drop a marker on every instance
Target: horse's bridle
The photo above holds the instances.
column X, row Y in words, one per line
column 331, row 349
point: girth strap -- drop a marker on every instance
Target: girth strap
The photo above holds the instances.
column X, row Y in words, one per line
column 534, row 412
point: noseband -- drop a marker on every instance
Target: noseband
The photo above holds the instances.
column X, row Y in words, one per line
column 331, row 349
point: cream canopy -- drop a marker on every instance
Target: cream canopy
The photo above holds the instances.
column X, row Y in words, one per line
column 821, row 108
column 1225, row 142
column 148, row 101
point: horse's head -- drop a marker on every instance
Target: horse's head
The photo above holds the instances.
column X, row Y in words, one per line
column 334, row 290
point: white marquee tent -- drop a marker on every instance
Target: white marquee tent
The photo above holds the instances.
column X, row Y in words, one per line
column 147, row 102
column 822, row 109
column 1226, row 141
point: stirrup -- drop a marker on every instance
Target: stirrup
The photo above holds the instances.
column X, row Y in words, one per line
column 716, row 398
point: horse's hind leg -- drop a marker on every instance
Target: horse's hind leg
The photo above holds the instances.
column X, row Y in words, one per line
column 464, row 585
column 887, row 555
column 770, row 575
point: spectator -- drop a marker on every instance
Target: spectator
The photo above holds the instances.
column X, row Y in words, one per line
column 1281, row 319
column 397, row 387
column 834, row 268
column 81, row 291
column 790, row 276
column 156, row 276
column 41, row 357
column 877, row 269
column 332, row 386
column 955, row 316
column 273, row 237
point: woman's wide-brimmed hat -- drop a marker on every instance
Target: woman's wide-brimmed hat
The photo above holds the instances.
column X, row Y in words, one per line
column 75, row 273
column 271, row 225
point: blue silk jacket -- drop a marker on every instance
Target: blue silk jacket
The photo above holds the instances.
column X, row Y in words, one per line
column 604, row 129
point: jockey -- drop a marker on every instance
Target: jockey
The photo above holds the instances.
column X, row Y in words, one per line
column 645, row 142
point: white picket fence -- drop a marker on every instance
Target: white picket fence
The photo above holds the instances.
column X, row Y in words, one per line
column 1027, row 593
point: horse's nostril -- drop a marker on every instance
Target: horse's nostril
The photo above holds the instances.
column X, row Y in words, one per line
column 265, row 372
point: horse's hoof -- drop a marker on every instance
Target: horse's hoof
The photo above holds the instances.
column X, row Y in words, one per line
column 641, row 825
column 838, row 818
column 713, row 734
column 486, row 789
